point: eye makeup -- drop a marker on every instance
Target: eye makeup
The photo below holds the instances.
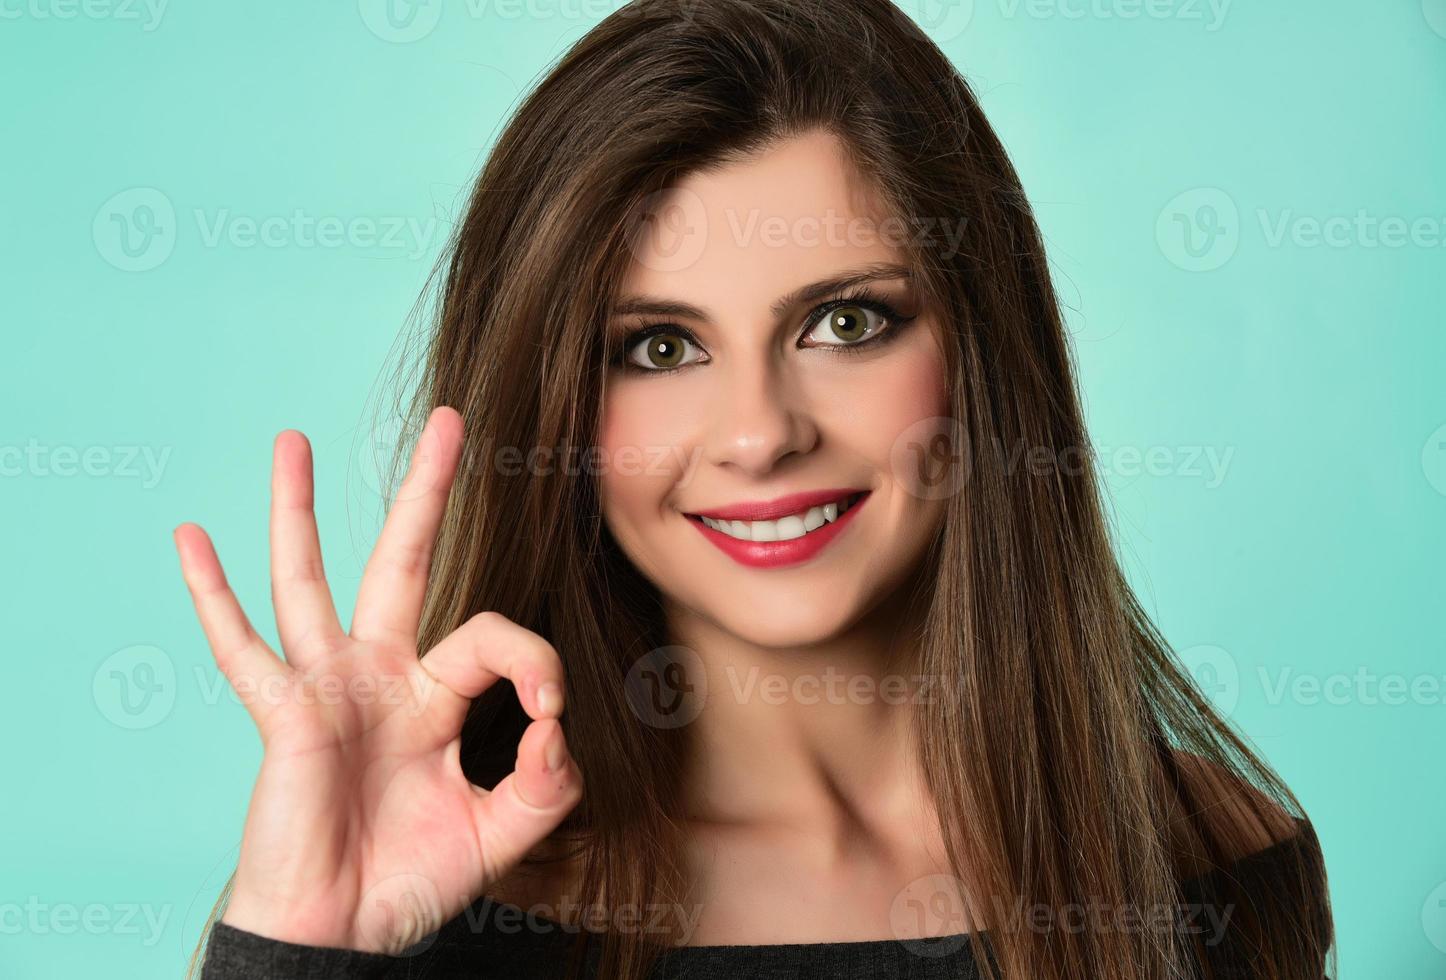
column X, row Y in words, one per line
column 862, row 297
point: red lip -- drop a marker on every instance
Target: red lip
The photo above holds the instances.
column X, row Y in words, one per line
column 776, row 554
column 768, row 510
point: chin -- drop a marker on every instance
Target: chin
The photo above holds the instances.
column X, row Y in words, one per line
column 782, row 619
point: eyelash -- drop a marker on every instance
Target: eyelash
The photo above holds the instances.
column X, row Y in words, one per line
column 861, row 297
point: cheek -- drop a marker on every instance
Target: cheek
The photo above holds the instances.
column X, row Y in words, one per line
column 642, row 440
column 872, row 407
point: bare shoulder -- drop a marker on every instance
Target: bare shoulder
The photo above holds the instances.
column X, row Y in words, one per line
column 1243, row 818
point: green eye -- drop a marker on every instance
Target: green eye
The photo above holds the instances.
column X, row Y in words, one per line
column 660, row 352
column 847, row 324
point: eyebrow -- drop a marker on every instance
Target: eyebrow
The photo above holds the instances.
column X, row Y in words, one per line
column 646, row 306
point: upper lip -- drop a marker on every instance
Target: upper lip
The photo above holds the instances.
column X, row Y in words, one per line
column 767, row 510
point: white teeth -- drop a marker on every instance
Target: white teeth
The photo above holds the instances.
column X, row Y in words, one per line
column 782, row 529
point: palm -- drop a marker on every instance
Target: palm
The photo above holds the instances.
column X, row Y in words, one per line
column 363, row 831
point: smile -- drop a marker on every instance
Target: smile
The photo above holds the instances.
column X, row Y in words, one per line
column 782, row 532
column 786, row 528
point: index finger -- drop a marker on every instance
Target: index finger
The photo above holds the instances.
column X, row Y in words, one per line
column 394, row 584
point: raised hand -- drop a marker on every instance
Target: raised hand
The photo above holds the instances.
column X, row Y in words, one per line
column 362, row 830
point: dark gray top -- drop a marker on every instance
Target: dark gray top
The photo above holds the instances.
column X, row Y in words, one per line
column 493, row 939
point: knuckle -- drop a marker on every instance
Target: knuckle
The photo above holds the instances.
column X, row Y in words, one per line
column 406, row 557
column 308, row 569
column 526, row 650
column 488, row 619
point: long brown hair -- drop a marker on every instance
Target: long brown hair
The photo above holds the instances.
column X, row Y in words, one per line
column 1073, row 760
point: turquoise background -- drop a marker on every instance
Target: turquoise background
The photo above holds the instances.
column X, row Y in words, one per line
column 1163, row 151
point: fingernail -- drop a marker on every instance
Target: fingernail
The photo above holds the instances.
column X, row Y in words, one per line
column 549, row 699
column 556, row 753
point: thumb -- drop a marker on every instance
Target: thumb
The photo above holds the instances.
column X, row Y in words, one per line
column 530, row 801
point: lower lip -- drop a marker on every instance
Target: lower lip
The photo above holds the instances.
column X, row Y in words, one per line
column 776, row 554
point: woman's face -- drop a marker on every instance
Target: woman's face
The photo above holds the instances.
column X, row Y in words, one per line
column 761, row 390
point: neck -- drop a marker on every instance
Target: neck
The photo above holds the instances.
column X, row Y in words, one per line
column 817, row 737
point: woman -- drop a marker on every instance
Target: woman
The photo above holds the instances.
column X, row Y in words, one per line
column 748, row 605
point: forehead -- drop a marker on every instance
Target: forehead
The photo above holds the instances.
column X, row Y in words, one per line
column 735, row 238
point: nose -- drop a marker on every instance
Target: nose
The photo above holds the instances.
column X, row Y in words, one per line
column 759, row 418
